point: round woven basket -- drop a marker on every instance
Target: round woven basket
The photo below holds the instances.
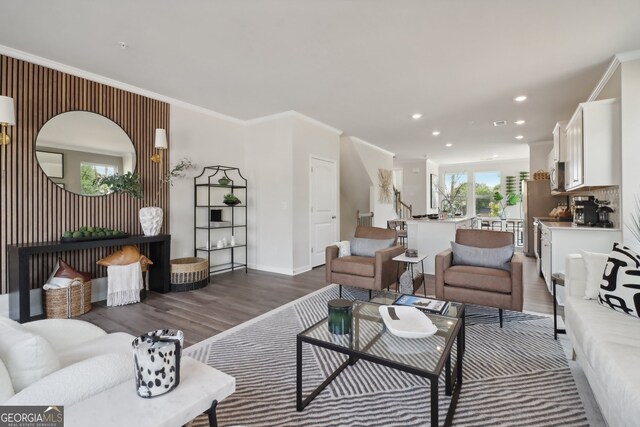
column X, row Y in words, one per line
column 188, row 274
column 68, row 302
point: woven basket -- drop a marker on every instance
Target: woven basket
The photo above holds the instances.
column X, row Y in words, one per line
column 188, row 274
column 68, row 302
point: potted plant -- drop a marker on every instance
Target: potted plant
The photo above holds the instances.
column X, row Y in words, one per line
column 634, row 227
column 500, row 203
column 129, row 183
column 151, row 216
column 231, row 200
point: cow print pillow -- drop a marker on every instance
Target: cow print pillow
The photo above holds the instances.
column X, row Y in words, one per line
column 620, row 286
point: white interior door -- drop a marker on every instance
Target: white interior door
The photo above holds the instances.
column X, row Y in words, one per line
column 323, row 215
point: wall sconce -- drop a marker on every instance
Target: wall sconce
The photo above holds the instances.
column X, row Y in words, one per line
column 160, row 144
column 7, row 118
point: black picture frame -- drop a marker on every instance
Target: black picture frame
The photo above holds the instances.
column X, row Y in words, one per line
column 52, row 164
column 434, row 191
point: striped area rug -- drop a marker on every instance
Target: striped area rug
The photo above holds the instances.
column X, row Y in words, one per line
column 514, row 376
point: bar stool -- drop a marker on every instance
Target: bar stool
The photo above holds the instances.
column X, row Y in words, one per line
column 499, row 224
column 484, row 224
column 519, row 233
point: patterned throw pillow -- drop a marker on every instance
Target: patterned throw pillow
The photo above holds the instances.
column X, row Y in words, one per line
column 620, row 286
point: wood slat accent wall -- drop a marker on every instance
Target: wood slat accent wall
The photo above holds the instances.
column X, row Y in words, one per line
column 32, row 207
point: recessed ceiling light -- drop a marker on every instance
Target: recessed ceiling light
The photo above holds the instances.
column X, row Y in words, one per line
column 448, row 144
column 519, row 122
column 435, row 133
column 416, row 116
column 519, row 136
column 494, row 156
column 500, row 123
column 520, row 98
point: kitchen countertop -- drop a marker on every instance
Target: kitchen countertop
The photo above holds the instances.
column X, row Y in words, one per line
column 569, row 226
column 437, row 221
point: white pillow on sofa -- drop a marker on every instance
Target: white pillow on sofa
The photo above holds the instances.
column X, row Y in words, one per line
column 79, row 381
column 595, row 264
column 6, row 388
column 27, row 356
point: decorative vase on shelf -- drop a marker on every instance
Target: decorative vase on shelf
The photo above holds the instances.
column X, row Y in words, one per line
column 151, row 220
column 224, row 181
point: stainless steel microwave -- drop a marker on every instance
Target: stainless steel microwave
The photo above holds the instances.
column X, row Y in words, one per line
column 557, row 176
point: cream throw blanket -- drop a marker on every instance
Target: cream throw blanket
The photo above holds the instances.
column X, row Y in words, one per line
column 125, row 282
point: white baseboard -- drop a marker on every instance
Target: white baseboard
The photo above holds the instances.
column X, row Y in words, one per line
column 300, row 270
column 270, row 269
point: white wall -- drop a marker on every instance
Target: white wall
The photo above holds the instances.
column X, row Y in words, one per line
column 538, row 154
column 269, row 159
column 309, row 140
column 505, row 167
column 373, row 159
column 432, row 168
column 207, row 141
column 630, row 110
column 414, row 184
column 355, row 187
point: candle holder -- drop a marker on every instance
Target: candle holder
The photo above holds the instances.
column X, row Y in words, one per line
column 340, row 316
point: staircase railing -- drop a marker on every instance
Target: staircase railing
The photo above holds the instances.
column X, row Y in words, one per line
column 365, row 218
column 402, row 209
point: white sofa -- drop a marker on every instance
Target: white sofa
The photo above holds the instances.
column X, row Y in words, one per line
column 60, row 361
column 607, row 346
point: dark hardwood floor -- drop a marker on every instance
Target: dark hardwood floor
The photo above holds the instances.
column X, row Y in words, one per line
column 233, row 298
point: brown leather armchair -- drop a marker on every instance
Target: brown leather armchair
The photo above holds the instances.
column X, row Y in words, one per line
column 480, row 285
column 372, row 273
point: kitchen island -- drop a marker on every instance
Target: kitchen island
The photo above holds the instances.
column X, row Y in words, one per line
column 432, row 236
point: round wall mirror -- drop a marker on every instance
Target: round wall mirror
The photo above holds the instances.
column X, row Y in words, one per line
column 76, row 147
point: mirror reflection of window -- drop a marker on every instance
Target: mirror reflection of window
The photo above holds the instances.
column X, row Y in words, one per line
column 88, row 174
column 86, row 145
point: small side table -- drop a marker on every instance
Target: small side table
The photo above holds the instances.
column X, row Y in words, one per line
column 557, row 279
column 411, row 261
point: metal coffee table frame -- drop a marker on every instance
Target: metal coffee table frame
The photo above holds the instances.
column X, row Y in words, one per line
column 452, row 386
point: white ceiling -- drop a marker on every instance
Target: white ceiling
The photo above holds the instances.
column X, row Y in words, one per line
column 363, row 66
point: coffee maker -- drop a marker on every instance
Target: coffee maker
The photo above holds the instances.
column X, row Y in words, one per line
column 603, row 212
column 585, row 211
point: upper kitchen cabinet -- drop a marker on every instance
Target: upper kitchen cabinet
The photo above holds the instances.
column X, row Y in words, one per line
column 593, row 145
column 559, row 142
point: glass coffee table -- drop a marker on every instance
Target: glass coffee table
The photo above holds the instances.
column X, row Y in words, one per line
column 370, row 340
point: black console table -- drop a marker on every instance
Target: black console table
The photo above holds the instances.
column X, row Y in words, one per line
column 19, row 257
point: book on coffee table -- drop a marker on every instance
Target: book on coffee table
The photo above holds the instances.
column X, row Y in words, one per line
column 427, row 304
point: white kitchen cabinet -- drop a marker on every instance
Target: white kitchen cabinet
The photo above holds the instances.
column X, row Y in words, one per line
column 559, row 239
column 559, row 142
column 593, row 145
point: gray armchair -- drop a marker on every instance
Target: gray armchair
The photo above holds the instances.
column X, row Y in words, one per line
column 372, row 273
column 480, row 285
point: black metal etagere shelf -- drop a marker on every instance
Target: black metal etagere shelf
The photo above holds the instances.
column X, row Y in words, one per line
column 215, row 191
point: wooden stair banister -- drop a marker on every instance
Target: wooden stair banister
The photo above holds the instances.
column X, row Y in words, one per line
column 402, row 209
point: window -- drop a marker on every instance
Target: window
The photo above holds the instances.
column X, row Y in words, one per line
column 453, row 194
column 486, row 183
column 88, row 174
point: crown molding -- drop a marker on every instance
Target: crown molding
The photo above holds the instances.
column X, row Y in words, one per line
column 18, row 54
column 292, row 114
column 368, row 144
column 611, row 69
column 628, row 56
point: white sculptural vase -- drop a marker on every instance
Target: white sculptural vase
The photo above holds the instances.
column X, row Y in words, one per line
column 151, row 220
